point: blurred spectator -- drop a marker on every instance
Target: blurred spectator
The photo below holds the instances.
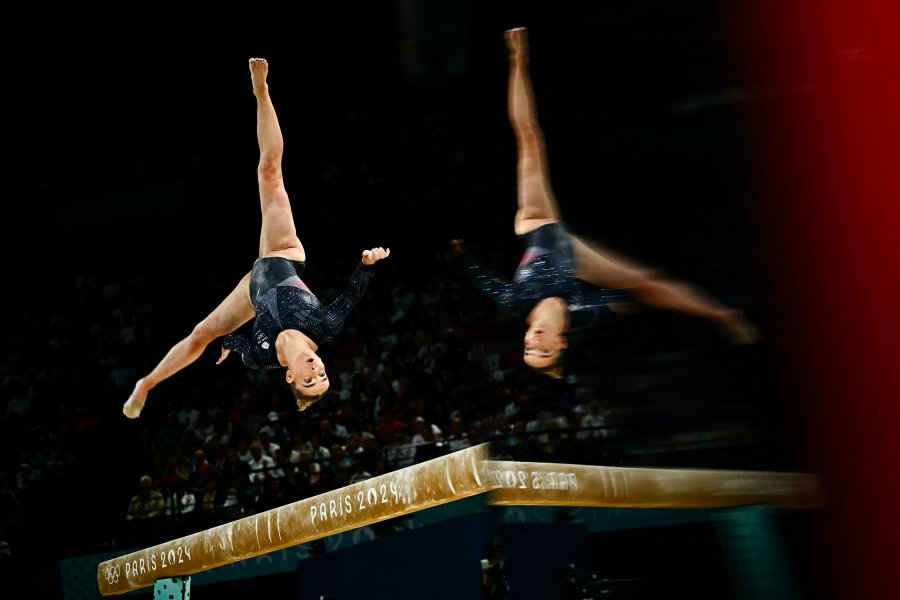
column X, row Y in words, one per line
column 327, row 437
column 281, row 465
column 512, row 407
column 201, row 470
column 269, row 427
column 458, row 437
column 340, row 430
column 419, row 436
column 223, row 429
column 147, row 503
column 231, row 506
column 433, row 445
column 204, row 429
column 243, row 448
column 232, row 471
column 210, row 498
column 297, row 446
column 188, row 414
column 318, row 451
column 261, row 480
column 280, row 432
column 341, row 465
column 176, row 473
column 181, row 501
column 389, row 424
column 264, row 440
column 313, row 472
column 169, row 439
column 354, row 444
column 290, row 487
column 359, row 472
column 594, row 418
column 260, row 464
column 400, row 452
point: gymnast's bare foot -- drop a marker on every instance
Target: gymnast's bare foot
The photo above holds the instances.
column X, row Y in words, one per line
column 738, row 329
column 259, row 69
column 135, row 403
column 517, row 43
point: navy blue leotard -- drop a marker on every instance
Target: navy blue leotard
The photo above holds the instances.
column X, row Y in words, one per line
column 547, row 269
column 281, row 300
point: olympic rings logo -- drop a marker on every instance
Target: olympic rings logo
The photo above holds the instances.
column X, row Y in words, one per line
column 112, row 574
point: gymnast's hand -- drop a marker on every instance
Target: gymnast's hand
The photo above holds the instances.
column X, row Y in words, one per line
column 224, row 355
column 370, row 257
column 458, row 246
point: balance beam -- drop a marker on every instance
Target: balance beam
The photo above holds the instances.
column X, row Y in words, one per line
column 459, row 475
column 550, row 484
column 417, row 487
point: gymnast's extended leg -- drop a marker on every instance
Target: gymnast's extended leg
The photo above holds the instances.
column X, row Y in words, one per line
column 278, row 236
column 536, row 203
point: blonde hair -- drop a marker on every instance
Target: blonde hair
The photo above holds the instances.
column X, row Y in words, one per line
column 304, row 402
column 553, row 371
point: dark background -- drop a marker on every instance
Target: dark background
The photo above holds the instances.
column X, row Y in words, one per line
column 641, row 103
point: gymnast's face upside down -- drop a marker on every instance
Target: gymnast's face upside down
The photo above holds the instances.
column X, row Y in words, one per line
column 544, row 343
column 307, row 378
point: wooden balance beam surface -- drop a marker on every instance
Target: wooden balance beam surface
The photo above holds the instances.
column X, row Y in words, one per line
column 550, row 484
column 417, row 487
column 464, row 473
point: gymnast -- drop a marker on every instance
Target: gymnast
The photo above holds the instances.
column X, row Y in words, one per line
column 289, row 321
column 561, row 278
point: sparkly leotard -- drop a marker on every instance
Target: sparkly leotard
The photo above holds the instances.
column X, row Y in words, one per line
column 282, row 301
column 547, row 269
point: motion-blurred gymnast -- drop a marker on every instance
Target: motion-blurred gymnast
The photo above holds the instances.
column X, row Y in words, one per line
column 289, row 321
column 560, row 276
